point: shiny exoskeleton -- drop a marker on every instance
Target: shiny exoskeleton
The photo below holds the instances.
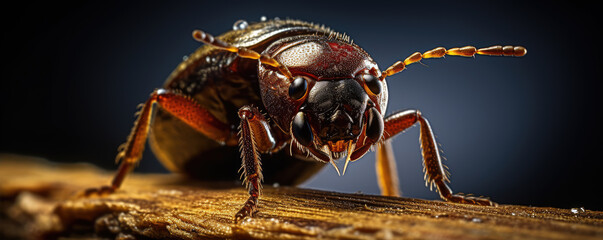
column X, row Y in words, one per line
column 279, row 95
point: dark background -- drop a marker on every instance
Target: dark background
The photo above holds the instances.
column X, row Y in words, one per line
column 520, row 130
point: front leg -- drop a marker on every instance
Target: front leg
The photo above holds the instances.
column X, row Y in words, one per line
column 435, row 173
column 254, row 138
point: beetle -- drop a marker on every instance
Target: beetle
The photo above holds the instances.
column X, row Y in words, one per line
column 284, row 96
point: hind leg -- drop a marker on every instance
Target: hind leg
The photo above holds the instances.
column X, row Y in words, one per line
column 387, row 174
column 182, row 107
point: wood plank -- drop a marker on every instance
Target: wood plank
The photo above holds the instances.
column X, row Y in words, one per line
column 38, row 201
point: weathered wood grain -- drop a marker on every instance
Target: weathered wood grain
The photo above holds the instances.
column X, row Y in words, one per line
column 38, row 201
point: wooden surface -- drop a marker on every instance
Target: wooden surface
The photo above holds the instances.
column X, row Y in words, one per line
column 37, row 201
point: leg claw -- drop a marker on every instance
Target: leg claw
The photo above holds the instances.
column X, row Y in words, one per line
column 242, row 214
column 458, row 198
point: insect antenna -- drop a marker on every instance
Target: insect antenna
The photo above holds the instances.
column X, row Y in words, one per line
column 439, row 52
column 241, row 52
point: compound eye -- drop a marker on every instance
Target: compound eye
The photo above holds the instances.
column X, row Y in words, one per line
column 372, row 83
column 298, row 88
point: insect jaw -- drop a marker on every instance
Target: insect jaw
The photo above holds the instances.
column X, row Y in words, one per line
column 338, row 146
column 329, row 152
column 335, row 149
column 351, row 148
column 347, row 150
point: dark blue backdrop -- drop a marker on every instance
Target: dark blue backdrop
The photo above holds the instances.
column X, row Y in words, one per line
column 520, row 130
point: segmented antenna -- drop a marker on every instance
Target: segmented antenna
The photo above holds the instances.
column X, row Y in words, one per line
column 241, row 52
column 468, row 51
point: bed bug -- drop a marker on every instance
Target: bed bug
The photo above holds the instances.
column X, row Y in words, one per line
column 284, row 97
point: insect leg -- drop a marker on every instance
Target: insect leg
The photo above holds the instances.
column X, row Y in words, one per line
column 468, row 51
column 241, row 52
column 435, row 172
column 180, row 106
column 387, row 174
column 254, row 137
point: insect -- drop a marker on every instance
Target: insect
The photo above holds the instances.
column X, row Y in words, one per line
column 284, row 97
